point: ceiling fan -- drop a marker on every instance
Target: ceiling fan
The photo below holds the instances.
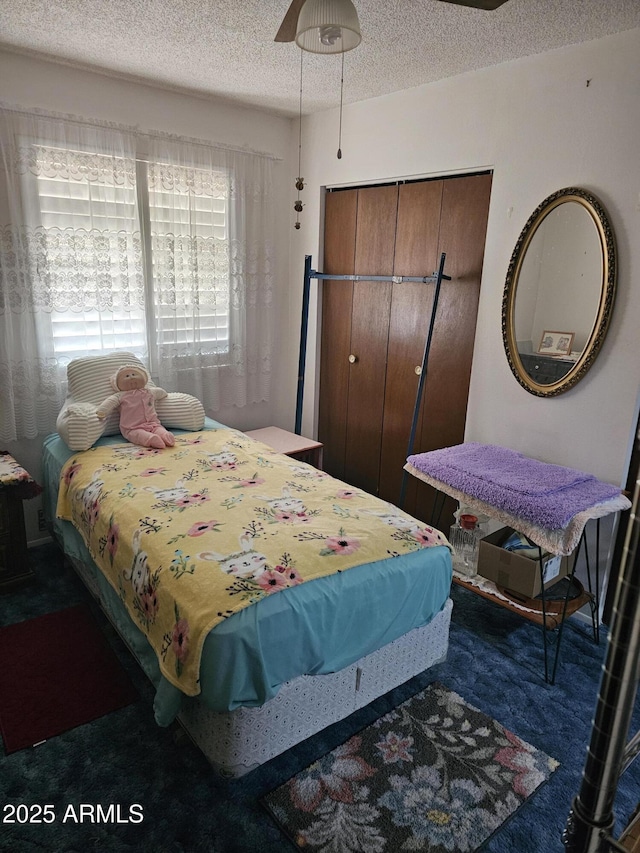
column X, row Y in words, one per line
column 287, row 31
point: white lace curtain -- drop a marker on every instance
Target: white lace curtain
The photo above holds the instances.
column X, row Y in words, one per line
column 114, row 240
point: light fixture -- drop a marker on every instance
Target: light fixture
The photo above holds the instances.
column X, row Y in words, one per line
column 328, row 26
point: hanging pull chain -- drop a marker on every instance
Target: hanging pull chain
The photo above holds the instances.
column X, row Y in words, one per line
column 299, row 180
column 341, row 93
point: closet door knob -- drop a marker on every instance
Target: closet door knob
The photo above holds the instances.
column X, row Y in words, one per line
column 417, row 370
column 353, row 358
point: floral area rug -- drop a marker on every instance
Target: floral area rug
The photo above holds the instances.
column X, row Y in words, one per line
column 434, row 774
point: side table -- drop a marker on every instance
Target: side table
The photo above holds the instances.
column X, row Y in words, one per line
column 16, row 484
column 491, row 480
column 291, row 444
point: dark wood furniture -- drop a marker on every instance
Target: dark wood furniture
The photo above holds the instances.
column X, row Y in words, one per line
column 545, row 369
column 14, row 560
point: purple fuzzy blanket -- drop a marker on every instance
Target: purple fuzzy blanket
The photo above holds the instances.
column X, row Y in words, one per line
column 547, row 495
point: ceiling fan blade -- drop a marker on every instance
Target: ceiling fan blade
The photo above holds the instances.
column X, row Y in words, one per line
column 287, row 31
column 487, row 5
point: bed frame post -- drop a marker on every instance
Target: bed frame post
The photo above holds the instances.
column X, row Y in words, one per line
column 591, row 819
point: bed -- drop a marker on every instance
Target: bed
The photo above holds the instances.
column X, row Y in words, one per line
column 313, row 638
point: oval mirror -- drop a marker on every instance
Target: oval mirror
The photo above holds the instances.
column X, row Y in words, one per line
column 559, row 292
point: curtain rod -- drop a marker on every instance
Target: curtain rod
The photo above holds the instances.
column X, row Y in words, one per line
column 37, row 112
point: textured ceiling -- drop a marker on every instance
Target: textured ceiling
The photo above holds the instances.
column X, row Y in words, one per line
column 225, row 48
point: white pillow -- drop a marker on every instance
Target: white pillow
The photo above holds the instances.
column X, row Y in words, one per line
column 89, row 386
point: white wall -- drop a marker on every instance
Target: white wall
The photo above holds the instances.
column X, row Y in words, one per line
column 570, row 117
column 31, row 83
column 535, row 122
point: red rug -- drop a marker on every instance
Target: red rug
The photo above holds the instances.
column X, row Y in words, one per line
column 57, row 672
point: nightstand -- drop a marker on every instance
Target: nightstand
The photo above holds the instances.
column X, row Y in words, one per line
column 15, row 484
column 545, row 369
column 291, row 444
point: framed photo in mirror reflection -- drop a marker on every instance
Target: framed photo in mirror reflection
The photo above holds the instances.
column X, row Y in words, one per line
column 556, row 343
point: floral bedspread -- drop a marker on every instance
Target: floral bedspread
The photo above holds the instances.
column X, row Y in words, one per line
column 190, row 535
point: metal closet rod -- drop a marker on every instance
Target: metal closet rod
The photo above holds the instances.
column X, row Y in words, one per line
column 396, row 279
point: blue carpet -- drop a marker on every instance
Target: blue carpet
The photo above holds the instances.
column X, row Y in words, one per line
column 124, row 760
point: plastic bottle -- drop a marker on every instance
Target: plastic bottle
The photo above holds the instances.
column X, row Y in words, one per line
column 464, row 537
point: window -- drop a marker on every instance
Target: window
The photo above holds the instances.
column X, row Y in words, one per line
column 189, row 248
column 112, row 239
column 133, row 255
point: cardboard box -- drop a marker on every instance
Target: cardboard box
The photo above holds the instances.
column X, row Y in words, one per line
column 514, row 572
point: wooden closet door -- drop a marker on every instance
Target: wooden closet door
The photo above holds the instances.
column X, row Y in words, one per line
column 416, row 254
column 375, row 241
column 366, row 407
column 463, row 226
column 335, row 338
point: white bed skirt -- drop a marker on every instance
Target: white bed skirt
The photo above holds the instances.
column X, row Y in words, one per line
column 238, row 741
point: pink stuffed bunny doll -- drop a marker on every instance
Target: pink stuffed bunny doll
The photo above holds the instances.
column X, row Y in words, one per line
column 139, row 422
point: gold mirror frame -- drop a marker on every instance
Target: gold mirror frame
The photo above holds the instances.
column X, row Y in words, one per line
column 607, row 291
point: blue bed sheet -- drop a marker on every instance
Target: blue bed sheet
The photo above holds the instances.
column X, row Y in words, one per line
column 312, row 628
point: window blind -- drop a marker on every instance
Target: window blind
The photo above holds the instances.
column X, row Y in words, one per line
column 96, row 234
